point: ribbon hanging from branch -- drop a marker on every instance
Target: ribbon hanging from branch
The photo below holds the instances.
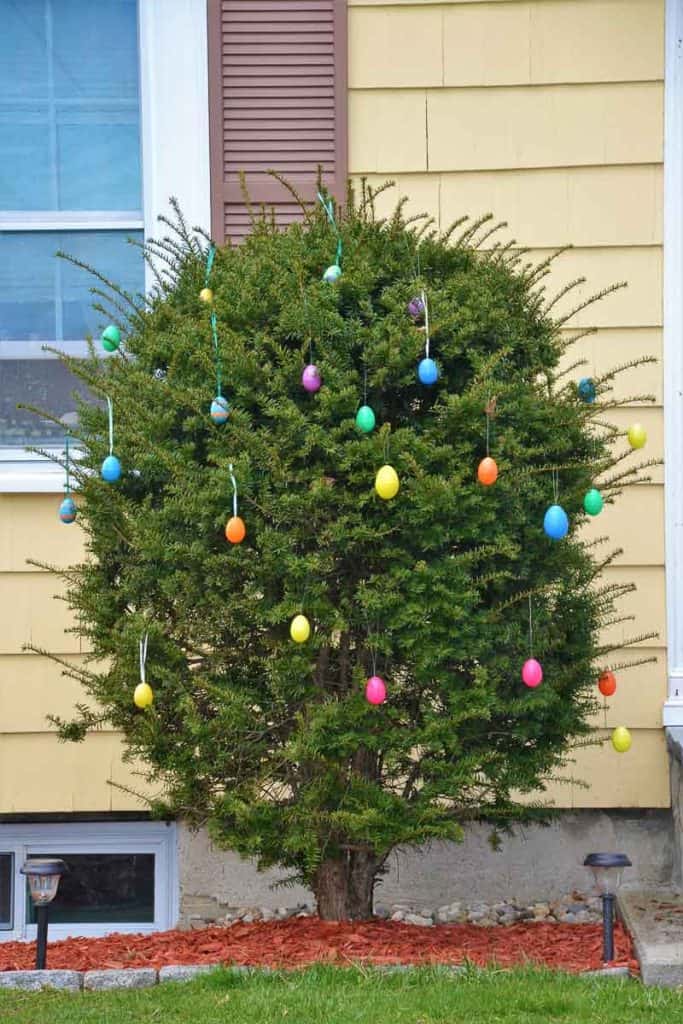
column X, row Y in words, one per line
column 328, row 207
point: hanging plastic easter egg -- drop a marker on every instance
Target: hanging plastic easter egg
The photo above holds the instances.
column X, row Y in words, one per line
column 220, row 410
column 607, row 684
column 532, row 673
column 556, row 522
column 637, row 435
column 592, row 502
column 428, row 371
column 111, row 338
column 206, row 295
column 300, row 629
column 365, row 419
column 235, row 530
column 332, row 273
column 375, row 690
column 416, row 308
column 143, row 695
column 621, row 739
column 387, row 483
column 487, row 471
column 311, row 378
column 67, row 510
column 111, row 469
column 586, row 389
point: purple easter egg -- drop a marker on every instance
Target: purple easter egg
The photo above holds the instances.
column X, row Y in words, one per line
column 311, row 378
column 416, row 308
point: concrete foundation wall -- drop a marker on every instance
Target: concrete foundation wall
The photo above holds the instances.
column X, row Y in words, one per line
column 533, row 864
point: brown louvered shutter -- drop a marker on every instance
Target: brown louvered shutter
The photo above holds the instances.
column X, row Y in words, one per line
column 277, row 100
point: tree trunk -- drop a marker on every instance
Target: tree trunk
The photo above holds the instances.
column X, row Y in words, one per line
column 344, row 887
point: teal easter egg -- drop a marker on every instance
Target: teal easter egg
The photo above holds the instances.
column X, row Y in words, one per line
column 365, row 419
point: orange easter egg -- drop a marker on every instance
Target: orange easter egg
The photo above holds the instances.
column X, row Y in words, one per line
column 235, row 530
column 607, row 684
column 487, row 473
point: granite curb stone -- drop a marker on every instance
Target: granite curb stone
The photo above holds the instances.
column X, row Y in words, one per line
column 34, row 981
column 185, row 972
column 101, row 981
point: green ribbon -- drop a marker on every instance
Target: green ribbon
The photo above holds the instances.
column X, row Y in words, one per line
column 214, row 324
column 209, row 263
column 328, row 207
column 67, row 486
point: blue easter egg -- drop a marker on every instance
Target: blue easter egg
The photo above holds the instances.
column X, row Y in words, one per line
column 556, row 522
column 67, row 510
column 111, row 469
column 428, row 371
column 586, row 389
column 332, row 273
column 220, row 410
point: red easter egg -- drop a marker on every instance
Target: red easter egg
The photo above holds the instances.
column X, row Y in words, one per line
column 607, row 684
column 235, row 530
column 487, row 473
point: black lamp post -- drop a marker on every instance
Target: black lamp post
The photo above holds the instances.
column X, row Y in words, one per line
column 43, row 880
column 607, row 870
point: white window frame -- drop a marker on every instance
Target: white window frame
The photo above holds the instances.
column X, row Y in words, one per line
column 40, row 838
column 673, row 356
column 174, row 101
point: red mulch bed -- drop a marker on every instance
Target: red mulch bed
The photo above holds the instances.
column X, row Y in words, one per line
column 301, row 941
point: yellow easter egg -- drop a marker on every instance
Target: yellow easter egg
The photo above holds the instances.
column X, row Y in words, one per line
column 206, row 295
column 143, row 695
column 637, row 435
column 300, row 629
column 621, row 739
column 386, row 482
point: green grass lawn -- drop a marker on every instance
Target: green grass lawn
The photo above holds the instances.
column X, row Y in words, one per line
column 328, row 995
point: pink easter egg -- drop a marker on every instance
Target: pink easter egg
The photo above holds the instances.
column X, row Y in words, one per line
column 311, row 378
column 375, row 690
column 532, row 673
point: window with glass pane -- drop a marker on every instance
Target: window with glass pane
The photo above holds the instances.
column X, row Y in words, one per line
column 111, row 888
column 6, row 890
column 70, row 180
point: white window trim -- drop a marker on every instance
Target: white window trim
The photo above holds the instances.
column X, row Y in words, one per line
column 673, row 355
column 39, row 838
column 174, row 99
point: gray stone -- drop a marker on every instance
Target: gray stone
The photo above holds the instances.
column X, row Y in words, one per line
column 139, row 977
column 184, row 972
column 419, row 919
column 398, row 915
column 607, row 972
column 33, row 981
column 655, row 920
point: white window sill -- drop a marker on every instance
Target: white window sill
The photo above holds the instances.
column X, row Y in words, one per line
column 25, row 473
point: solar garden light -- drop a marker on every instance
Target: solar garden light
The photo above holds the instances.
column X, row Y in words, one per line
column 43, row 881
column 607, row 870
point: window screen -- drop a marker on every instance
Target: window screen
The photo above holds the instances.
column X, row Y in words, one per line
column 103, row 887
column 6, row 890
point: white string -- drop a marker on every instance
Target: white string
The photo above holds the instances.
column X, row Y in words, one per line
column 143, row 656
column 426, row 309
column 556, row 486
column 234, row 491
column 110, row 409
column 531, row 632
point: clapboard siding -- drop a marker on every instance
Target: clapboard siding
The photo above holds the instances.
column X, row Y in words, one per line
column 277, row 101
column 549, row 114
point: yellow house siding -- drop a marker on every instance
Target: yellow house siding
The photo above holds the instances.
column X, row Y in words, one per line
column 548, row 113
column 37, row 772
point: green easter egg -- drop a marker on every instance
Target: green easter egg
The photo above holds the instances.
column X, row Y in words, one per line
column 593, row 502
column 111, row 338
column 365, row 419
